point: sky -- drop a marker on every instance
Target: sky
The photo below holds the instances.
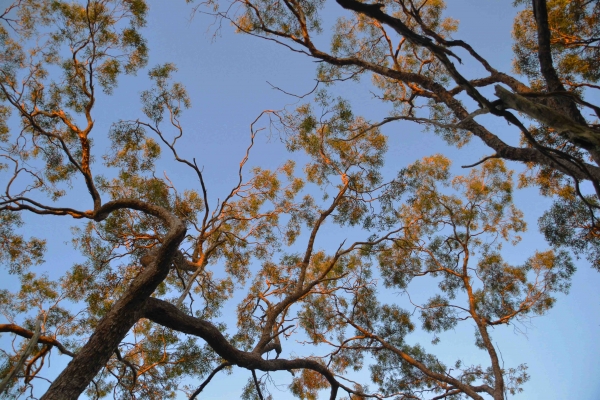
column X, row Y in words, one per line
column 227, row 76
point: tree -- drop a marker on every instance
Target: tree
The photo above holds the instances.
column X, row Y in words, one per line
column 140, row 314
column 408, row 48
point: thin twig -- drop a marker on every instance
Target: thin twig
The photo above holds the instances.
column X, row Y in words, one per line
column 208, row 379
column 260, row 396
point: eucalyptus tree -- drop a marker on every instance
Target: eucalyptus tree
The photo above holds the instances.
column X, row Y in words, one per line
column 139, row 318
column 412, row 50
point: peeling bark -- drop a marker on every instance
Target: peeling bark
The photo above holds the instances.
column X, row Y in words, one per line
column 578, row 134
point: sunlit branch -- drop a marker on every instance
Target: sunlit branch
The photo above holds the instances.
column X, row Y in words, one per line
column 29, row 334
column 19, row 364
column 467, row 389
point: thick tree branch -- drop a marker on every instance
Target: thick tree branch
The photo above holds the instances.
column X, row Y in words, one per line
column 566, row 105
column 580, row 135
column 113, row 327
column 502, row 149
column 168, row 315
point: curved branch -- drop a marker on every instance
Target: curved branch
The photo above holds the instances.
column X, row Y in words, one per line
column 17, row 204
column 501, row 148
column 167, row 315
column 30, row 346
column 113, row 327
column 128, row 364
column 26, row 333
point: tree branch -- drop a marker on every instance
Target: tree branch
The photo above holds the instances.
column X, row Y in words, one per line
column 580, row 135
column 208, row 379
column 26, row 333
column 547, row 69
column 169, row 316
column 30, row 346
column 113, row 327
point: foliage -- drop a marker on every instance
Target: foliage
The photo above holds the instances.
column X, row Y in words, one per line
column 574, row 26
column 139, row 315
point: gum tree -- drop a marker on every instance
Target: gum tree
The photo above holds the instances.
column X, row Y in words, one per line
column 141, row 313
column 414, row 54
column 454, row 241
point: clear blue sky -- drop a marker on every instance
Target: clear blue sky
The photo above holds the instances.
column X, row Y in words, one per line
column 227, row 82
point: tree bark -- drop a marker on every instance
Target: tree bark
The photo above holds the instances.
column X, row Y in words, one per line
column 553, row 82
column 113, row 327
column 580, row 135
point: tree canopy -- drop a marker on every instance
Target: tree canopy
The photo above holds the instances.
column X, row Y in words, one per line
column 140, row 315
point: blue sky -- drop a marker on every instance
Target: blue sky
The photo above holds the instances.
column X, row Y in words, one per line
column 226, row 78
column 227, row 81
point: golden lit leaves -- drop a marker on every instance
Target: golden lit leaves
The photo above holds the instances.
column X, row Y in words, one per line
column 485, row 204
column 108, row 72
column 308, row 384
column 441, row 231
column 339, row 144
column 115, row 48
column 423, row 223
column 189, row 206
column 574, row 28
column 4, row 130
column 395, row 323
column 91, row 44
column 516, row 291
column 273, row 17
